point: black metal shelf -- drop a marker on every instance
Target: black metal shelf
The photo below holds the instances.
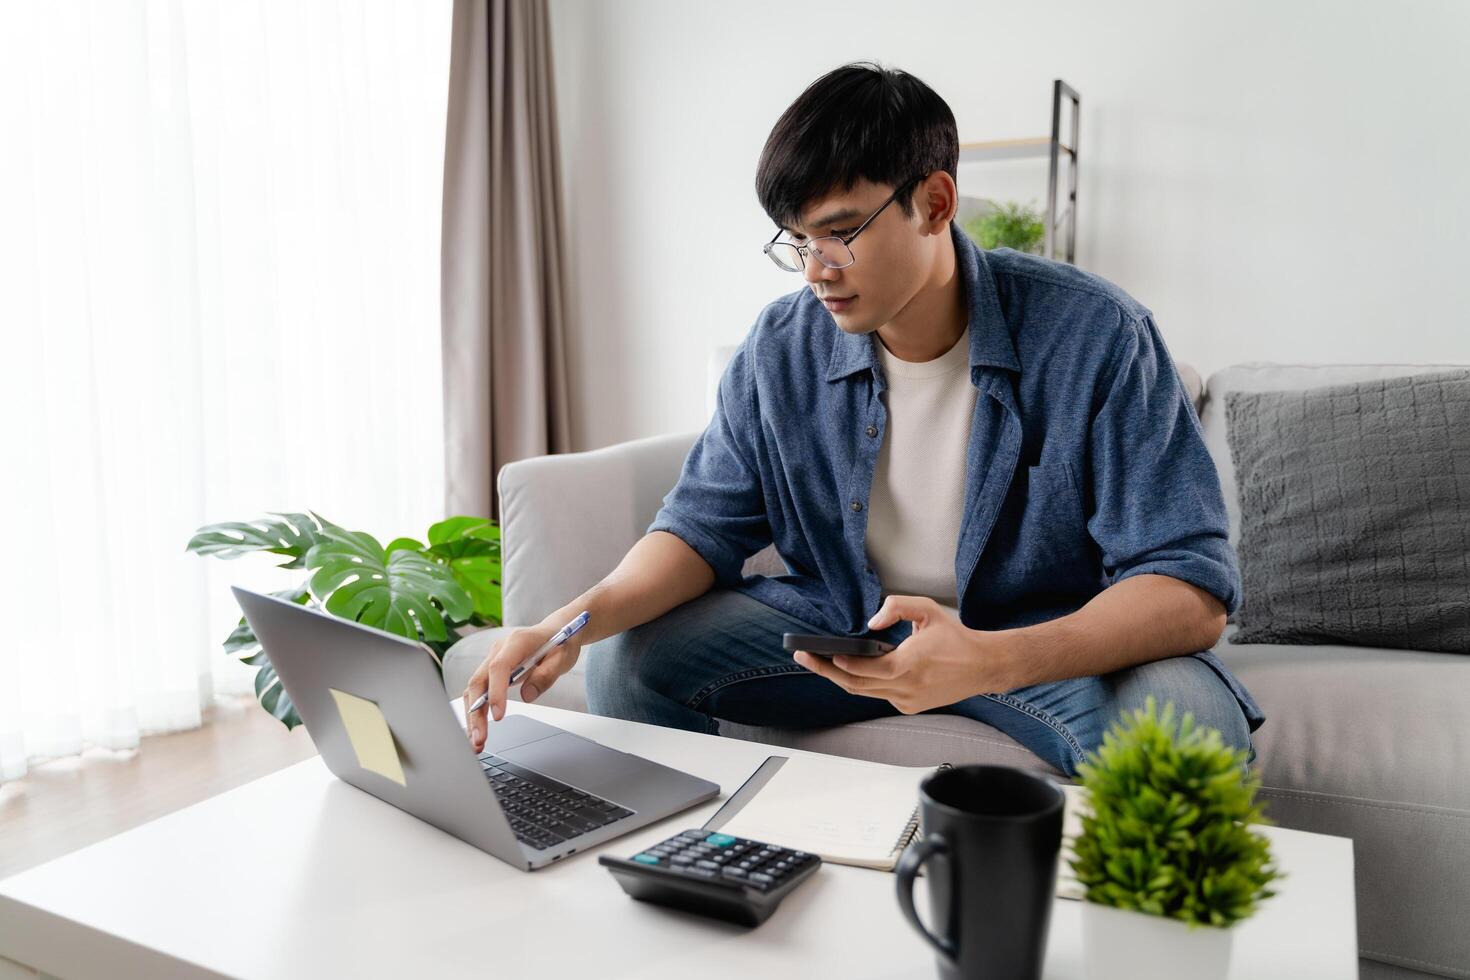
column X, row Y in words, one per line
column 1053, row 148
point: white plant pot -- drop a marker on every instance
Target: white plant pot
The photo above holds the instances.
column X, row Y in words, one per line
column 1123, row 945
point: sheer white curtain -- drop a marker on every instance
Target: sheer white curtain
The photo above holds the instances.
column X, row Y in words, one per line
column 219, row 296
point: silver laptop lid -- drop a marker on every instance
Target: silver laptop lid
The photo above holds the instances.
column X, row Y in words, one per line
column 316, row 653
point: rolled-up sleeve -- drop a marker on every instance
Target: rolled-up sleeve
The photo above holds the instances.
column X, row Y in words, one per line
column 1158, row 504
column 718, row 506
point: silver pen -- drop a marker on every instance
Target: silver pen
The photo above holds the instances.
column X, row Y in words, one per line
column 561, row 636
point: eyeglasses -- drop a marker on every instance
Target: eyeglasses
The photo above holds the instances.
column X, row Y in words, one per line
column 831, row 250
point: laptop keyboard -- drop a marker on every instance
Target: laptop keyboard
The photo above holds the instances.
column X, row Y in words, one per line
column 542, row 811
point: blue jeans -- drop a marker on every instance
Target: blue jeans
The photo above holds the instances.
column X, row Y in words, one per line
column 719, row 657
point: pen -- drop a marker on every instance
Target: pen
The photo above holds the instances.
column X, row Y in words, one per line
column 562, row 635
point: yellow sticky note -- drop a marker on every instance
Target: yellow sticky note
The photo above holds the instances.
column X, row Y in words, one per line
column 371, row 739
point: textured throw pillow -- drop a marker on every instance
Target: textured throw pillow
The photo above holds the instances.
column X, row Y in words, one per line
column 1355, row 513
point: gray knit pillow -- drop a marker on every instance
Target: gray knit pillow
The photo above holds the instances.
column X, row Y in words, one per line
column 1355, row 513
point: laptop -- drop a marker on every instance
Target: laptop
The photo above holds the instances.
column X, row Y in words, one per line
column 534, row 795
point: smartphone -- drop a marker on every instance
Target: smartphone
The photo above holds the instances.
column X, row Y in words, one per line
column 831, row 646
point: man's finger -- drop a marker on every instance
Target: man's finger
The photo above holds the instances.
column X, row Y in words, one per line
column 474, row 721
column 499, row 680
column 819, row 665
column 556, row 663
column 914, row 608
column 885, row 667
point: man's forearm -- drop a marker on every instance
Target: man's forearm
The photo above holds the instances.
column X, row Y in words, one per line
column 1135, row 621
column 658, row 573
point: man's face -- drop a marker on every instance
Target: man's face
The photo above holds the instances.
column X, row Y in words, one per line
column 891, row 258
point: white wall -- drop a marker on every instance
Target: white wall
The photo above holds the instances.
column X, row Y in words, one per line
column 1276, row 180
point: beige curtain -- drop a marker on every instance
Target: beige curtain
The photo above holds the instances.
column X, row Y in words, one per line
column 503, row 298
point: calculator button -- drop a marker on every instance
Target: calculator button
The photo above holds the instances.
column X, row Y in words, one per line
column 707, row 864
column 719, row 840
column 646, row 858
column 734, row 872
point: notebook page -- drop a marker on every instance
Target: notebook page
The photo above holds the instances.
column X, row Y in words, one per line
column 845, row 811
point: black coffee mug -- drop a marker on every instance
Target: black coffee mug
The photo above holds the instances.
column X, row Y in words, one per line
column 991, row 835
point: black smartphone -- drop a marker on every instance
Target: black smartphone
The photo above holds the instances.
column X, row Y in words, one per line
column 831, row 646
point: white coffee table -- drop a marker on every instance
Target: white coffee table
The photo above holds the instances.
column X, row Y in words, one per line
column 301, row 875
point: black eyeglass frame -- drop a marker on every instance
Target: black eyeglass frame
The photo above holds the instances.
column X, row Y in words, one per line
column 801, row 250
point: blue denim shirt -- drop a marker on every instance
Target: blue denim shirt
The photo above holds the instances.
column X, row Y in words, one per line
column 1085, row 462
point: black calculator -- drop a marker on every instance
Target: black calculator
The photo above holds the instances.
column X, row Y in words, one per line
column 714, row 874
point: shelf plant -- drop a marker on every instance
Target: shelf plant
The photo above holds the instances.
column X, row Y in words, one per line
column 430, row 592
column 1008, row 225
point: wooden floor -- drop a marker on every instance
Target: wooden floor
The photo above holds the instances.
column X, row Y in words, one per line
column 67, row 804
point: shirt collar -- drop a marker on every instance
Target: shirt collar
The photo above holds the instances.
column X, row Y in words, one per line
column 990, row 337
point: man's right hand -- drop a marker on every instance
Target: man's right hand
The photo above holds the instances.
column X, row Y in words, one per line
column 508, row 653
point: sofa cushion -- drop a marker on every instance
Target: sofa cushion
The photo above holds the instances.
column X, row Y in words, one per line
column 1267, row 376
column 1355, row 512
column 1371, row 743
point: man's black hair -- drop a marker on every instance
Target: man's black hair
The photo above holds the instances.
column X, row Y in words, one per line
column 860, row 121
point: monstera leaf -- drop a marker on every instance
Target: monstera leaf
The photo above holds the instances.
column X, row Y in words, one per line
column 402, row 591
column 242, row 644
column 470, row 546
column 292, row 535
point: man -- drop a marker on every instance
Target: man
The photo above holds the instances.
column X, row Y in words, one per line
column 984, row 457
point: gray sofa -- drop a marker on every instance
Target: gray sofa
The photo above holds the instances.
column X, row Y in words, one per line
column 1371, row 744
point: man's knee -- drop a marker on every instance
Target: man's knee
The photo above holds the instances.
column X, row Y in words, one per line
column 1193, row 687
column 620, row 673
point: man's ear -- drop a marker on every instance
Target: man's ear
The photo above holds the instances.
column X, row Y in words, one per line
column 937, row 199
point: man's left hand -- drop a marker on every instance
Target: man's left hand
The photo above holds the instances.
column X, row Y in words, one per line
column 942, row 661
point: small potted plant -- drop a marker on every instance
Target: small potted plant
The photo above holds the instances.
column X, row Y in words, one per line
column 1166, row 853
column 433, row 593
column 1008, row 225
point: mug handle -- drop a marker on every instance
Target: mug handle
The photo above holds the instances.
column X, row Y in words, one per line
column 922, row 849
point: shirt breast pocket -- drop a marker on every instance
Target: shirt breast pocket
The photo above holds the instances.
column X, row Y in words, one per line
column 1049, row 526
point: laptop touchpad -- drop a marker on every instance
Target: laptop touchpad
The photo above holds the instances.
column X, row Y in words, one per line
column 575, row 760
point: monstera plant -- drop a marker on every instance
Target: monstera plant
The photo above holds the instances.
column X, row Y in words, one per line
column 425, row 592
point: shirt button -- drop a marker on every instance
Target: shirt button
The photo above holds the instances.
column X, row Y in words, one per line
column 872, row 431
column 857, row 505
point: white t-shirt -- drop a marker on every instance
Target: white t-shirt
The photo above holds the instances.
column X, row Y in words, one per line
column 918, row 496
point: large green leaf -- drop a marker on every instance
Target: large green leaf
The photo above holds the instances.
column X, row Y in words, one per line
column 271, row 694
column 462, row 536
column 293, row 535
column 462, row 528
column 404, row 592
column 479, row 575
column 470, row 546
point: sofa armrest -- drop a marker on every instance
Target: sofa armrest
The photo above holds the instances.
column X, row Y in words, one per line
column 567, row 520
column 467, row 654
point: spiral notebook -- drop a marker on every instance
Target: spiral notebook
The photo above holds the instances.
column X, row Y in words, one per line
column 843, row 810
column 848, row 812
